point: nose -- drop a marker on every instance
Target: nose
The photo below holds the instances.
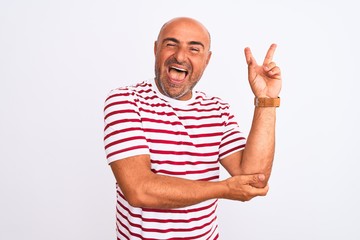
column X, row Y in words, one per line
column 180, row 54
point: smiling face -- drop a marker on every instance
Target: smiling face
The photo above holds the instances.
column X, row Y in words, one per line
column 182, row 52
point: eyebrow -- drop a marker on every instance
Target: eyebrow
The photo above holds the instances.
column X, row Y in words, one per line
column 177, row 41
column 196, row 43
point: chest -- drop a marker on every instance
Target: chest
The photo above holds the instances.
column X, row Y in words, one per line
column 190, row 124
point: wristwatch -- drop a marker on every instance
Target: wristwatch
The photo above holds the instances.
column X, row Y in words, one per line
column 267, row 102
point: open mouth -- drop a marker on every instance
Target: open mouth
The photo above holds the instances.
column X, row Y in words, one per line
column 177, row 73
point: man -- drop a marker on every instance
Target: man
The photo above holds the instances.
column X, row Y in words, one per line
column 165, row 142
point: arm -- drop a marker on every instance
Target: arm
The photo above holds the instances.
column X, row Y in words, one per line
column 258, row 155
column 143, row 188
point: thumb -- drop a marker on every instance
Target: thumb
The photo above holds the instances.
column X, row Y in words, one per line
column 254, row 178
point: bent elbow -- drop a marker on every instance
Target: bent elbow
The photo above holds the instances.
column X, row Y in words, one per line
column 135, row 199
column 140, row 199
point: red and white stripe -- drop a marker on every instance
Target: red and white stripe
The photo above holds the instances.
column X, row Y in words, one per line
column 184, row 139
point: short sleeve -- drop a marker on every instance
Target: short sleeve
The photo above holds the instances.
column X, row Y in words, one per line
column 233, row 139
column 123, row 133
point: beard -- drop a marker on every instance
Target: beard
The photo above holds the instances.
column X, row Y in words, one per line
column 173, row 90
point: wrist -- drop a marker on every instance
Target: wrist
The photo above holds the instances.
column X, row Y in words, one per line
column 266, row 102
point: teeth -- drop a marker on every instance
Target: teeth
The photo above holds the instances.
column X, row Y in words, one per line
column 179, row 69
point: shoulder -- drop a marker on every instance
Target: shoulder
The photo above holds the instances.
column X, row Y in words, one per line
column 204, row 99
column 130, row 92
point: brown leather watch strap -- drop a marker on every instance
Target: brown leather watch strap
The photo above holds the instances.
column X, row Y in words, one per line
column 267, row 102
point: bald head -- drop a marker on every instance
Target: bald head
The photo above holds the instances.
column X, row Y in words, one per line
column 187, row 24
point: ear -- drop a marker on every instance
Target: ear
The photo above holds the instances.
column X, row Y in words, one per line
column 155, row 47
column 208, row 57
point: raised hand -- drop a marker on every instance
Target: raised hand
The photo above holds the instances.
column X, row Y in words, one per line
column 265, row 80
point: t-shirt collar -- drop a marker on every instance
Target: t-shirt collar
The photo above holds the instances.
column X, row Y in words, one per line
column 170, row 100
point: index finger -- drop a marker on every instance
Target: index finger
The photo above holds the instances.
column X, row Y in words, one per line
column 250, row 60
column 270, row 54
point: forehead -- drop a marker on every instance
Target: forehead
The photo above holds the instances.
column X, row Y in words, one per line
column 186, row 31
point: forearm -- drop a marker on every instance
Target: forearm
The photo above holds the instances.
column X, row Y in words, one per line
column 159, row 191
column 170, row 192
column 258, row 154
column 143, row 188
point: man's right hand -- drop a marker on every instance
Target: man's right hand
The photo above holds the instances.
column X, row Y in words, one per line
column 241, row 187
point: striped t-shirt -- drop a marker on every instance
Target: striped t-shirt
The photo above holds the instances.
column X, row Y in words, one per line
column 184, row 139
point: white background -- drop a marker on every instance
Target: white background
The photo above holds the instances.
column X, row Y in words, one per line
column 59, row 59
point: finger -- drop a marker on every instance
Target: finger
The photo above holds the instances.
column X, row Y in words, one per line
column 275, row 71
column 260, row 191
column 250, row 60
column 272, row 69
column 255, row 192
column 253, row 178
column 270, row 54
column 269, row 66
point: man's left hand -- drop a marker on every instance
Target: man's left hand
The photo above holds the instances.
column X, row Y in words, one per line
column 265, row 80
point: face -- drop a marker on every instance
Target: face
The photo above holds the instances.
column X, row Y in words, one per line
column 181, row 56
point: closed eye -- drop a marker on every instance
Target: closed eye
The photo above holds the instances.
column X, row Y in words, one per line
column 193, row 49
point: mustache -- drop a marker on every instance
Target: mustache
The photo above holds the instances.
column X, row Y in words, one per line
column 173, row 60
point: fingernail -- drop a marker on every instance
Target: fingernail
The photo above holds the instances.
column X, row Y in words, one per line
column 261, row 177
